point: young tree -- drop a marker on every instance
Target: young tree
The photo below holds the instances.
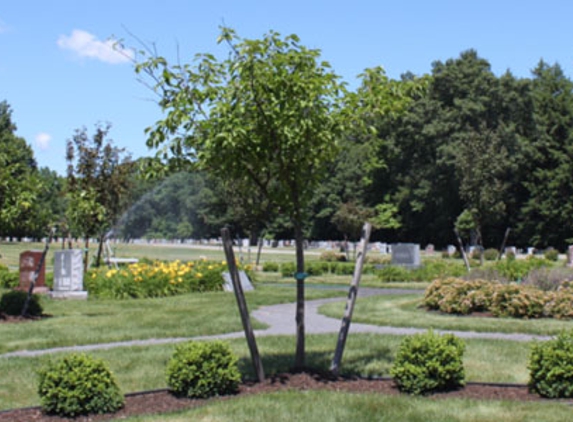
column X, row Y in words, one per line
column 266, row 116
column 98, row 183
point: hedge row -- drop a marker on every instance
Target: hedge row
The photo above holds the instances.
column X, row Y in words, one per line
column 457, row 296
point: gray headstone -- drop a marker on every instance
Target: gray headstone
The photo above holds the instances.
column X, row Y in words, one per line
column 69, row 274
column 243, row 277
column 406, row 254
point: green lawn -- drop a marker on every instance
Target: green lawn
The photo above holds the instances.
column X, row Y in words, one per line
column 143, row 368
column 10, row 252
column 333, row 406
column 103, row 321
column 406, row 311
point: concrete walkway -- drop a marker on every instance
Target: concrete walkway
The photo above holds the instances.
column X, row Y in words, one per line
column 280, row 321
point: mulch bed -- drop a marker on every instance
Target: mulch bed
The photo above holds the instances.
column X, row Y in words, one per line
column 161, row 401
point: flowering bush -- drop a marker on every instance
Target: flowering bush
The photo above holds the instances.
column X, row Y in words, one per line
column 517, row 301
column 157, row 279
column 457, row 296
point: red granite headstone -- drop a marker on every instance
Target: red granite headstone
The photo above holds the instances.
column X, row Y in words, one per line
column 29, row 261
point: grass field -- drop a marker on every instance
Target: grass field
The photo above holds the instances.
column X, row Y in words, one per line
column 406, row 311
column 142, row 368
column 10, row 252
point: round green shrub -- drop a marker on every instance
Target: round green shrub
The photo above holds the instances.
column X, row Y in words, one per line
column 344, row 268
column 551, row 367
column 315, row 268
column 551, row 254
column 78, row 384
column 9, row 280
column 288, row 269
column 12, row 303
column 271, row 267
column 203, row 369
column 429, row 362
column 490, row 254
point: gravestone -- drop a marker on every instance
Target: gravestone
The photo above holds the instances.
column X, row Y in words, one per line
column 406, row 254
column 29, row 261
column 451, row 250
column 243, row 277
column 69, row 275
column 570, row 256
column 511, row 250
column 430, row 249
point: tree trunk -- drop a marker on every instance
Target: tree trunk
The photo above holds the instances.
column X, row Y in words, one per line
column 260, row 247
column 462, row 250
column 86, row 254
column 300, row 276
column 99, row 250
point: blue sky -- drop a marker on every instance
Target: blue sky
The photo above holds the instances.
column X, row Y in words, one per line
column 58, row 74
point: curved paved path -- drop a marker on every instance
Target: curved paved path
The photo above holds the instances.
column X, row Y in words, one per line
column 280, row 321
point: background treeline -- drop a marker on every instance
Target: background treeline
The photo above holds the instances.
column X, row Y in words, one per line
column 458, row 145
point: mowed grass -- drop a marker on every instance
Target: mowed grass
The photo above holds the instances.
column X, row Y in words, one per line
column 406, row 311
column 102, row 321
column 10, row 252
column 143, row 368
column 334, row 406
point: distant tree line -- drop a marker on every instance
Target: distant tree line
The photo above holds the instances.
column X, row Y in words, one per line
column 417, row 155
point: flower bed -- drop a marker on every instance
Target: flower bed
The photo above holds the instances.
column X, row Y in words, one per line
column 156, row 279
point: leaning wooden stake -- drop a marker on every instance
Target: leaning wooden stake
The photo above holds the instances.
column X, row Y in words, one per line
column 249, row 334
column 502, row 247
column 464, row 256
column 352, row 293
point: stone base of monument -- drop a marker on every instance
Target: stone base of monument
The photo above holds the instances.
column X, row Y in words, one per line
column 82, row 295
column 244, row 279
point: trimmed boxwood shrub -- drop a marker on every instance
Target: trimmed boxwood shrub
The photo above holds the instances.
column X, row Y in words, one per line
column 9, row 280
column 490, row 254
column 551, row 367
column 288, row 269
column 12, row 303
column 344, row 268
column 270, row 267
column 203, row 369
column 551, row 254
column 428, row 363
column 78, row 384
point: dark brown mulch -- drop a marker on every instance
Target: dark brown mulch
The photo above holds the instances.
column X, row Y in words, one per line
column 11, row 319
column 162, row 401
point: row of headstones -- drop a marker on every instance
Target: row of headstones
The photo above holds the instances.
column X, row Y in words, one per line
column 68, row 274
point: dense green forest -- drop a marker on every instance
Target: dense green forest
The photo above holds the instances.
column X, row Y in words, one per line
column 460, row 141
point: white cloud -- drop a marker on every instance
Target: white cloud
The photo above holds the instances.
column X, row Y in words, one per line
column 85, row 44
column 43, row 141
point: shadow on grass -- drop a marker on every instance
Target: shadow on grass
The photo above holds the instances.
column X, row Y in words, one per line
column 367, row 362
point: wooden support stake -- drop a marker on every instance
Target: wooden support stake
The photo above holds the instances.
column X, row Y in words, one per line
column 238, row 289
column 352, row 293
column 464, row 256
column 502, row 247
